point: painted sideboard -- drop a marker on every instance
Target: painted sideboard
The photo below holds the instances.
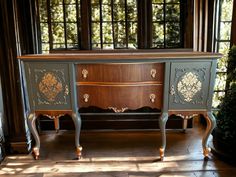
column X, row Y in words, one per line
column 179, row 83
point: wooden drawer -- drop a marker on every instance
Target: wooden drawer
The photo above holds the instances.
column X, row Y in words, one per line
column 120, row 96
column 120, row 72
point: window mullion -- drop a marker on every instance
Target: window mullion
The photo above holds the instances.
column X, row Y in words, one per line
column 49, row 25
column 233, row 25
column 164, row 23
column 78, row 23
column 112, row 22
column 85, row 34
column 182, row 21
column 101, row 24
column 126, row 25
column 64, row 22
column 142, row 24
column 218, row 25
column 149, row 24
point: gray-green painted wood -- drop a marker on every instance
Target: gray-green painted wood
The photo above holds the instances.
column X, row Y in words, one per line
column 189, row 85
column 58, row 74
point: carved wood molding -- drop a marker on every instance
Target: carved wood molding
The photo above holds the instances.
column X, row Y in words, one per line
column 53, row 114
column 187, row 114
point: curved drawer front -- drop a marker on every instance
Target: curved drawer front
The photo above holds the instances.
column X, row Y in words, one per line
column 120, row 97
column 120, row 72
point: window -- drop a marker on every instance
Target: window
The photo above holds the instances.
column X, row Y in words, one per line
column 224, row 13
column 59, row 24
column 166, row 24
column 112, row 24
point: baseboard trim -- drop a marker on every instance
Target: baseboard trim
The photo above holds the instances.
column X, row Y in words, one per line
column 20, row 147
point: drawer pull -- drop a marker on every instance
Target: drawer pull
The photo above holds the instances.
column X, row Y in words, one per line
column 152, row 97
column 116, row 110
column 85, row 73
column 153, row 73
column 86, row 97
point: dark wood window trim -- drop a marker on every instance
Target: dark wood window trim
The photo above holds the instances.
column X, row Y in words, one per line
column 233, row 28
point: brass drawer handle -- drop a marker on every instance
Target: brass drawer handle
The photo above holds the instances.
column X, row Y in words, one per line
column 153, row 73
column 86, row 97
column 116, row 110
column 152, row 97
column 84, row 73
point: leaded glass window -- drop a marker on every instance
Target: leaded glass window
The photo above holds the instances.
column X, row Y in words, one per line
column 166, row 26
column 224, row 13
column 114, row 24
column 110, row 24
column 59, row 23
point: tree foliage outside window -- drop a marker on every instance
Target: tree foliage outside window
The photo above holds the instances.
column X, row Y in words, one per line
column 59, row 23
column 113, row 24
column 222, row 44
column 166, row 24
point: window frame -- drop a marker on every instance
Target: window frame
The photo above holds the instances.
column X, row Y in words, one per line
column 144, row 26
column 217, row 40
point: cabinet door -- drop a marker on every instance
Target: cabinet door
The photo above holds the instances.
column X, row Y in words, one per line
column 49, row 85
column 189, row 85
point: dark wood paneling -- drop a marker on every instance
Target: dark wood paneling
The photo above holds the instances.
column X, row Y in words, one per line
column 10, row 74
column 16, row 37
column 26, row 21
column 143, row 22
column 121, row 72
column 85, row 25
column 188, row 24
column 211, row 22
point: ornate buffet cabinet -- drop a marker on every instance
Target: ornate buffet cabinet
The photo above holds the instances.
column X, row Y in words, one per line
column 179, row 83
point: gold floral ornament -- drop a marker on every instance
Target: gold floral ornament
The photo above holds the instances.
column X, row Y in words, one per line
column 189, row 85
column 50, row 86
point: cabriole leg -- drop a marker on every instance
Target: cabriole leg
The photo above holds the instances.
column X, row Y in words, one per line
column 211, row 123
column 31, row 123
column 77, row 121
column 162, row 123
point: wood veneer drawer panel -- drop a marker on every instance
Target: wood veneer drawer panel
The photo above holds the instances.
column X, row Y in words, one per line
column 120, row 72
column 131, row 97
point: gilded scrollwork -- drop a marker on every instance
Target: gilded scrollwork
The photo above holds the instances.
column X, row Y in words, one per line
column 189, row 85
column 50, row 86
column 116, row 110
column 186, row 117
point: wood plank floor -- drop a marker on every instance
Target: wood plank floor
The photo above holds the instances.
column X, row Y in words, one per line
column 119, row 154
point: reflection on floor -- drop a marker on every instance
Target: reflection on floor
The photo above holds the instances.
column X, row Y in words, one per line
column 119, row 154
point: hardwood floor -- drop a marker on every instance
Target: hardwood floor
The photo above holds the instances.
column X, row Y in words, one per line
column 119, row 154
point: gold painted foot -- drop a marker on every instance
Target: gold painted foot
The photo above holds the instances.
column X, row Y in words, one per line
column 35, row 153
column 79, row 152
column 206, row 151
column 162, row 151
